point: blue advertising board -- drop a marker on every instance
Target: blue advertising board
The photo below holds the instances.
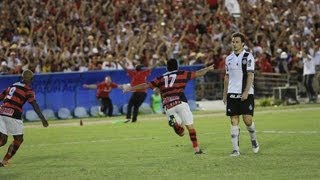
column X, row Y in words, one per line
column 64, row 90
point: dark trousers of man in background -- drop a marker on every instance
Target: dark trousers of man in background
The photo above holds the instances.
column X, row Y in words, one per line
column 106, row 104
column 308, row 83
column 135, row 101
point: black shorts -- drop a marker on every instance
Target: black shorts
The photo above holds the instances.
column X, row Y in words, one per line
column 237, row 107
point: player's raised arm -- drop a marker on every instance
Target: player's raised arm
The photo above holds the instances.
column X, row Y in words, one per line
column 203, row 71
column 156, row 64
column 39, row 113
column 122, row 65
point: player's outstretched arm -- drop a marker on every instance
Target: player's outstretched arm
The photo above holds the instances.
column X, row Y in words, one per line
column 203, row 71
column 39, row 113
column 122, row 86
column 90, row 86
column 137, row 87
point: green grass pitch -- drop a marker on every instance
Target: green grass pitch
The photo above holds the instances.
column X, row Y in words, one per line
column 105, row 148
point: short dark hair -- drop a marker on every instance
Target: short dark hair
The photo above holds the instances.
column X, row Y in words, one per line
column 139, row 67
column 240, row 35
column 27, row 76
column 172, row 64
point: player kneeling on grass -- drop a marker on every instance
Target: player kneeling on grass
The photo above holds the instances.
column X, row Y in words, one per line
column 11, row 123
column 171, row 85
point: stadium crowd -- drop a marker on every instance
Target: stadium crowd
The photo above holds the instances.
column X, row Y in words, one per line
column 87, row 35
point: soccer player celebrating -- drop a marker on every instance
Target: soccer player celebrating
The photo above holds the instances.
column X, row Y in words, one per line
column 238, row 92
column 103, row 90
column 171, row 85
column 11, row 123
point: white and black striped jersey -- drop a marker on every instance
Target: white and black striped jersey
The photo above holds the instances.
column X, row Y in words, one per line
column 237, row 67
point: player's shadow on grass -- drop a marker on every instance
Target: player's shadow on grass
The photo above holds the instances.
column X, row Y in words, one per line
column 52, row 160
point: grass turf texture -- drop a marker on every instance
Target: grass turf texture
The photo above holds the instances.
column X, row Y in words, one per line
column 149, row 149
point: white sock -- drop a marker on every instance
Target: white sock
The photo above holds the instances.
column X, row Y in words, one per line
column 235, row 132
column 252, row 131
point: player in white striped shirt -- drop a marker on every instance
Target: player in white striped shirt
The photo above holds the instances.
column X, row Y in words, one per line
column 238, row 92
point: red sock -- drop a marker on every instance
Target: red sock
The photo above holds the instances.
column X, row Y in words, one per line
column 178, row 130
column 193, row 137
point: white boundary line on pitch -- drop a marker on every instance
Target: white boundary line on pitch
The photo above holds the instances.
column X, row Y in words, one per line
column 156, row 138
column 93, row 141
column 289, row 132
column 163, row 117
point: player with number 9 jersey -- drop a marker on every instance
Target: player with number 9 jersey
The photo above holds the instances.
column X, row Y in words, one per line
column 14, row 98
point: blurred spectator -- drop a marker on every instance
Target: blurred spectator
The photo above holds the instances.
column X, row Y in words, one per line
column 297, row 66
column 263, row 63
column 14, row 63
column 282, row 66
column 309, row 71
column 108, row 63
column 317, row 61
column 4, row 68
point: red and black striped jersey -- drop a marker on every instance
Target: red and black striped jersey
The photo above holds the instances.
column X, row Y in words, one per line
column 14, row 97
column 172, row 85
